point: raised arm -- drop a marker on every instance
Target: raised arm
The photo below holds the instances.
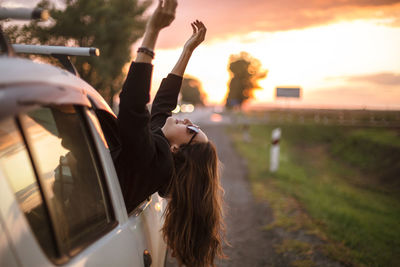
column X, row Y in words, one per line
column 133, row 117
column 136, row 89
column 167, row 96
column 135, row 92
column 139, row 150
column 199, row 33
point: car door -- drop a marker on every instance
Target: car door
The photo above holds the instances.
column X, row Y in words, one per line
column 70, row 200
column 150, row 212
column 148, row 216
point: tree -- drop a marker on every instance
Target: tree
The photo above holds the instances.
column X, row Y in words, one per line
column 110, row 25
column 191, row 91
column 245, row 72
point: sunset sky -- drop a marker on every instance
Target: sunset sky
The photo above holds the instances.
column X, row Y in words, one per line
column 343, row 53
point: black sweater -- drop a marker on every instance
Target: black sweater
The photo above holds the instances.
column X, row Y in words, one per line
column 144, row 160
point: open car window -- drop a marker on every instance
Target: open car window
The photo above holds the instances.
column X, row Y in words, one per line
column 66, row 179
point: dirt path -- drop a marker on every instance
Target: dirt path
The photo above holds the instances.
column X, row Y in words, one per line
column 250, row 245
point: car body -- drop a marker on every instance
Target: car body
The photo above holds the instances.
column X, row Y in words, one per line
column 60, row 199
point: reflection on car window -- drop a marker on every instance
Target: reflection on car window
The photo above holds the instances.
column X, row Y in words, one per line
column 70, row 176
column 16, row 165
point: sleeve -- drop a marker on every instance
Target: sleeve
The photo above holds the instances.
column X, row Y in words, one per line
column 133, row 118
column 165, row 100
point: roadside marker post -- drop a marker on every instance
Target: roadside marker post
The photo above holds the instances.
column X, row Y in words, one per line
column 246, row 134
column 274, row 152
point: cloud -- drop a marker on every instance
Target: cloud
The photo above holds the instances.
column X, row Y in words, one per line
column 384, row 78
column 225, row 18
column 231, row 17
column 353, row 96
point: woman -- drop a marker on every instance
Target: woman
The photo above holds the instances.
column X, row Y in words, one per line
column 173, row 157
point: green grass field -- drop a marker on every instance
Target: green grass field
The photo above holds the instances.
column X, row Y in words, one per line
column 338, row 183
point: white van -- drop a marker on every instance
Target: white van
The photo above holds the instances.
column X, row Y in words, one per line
column 60, row 199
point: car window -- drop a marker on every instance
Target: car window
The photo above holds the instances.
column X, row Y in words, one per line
column 70, row 174
column 110, row 129
column 93, row 118
column 15, row 164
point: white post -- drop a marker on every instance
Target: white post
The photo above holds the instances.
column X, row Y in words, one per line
column 246, row 134
column 274, row 154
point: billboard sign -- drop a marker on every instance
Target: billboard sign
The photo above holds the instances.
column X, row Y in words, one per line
column 293, row 92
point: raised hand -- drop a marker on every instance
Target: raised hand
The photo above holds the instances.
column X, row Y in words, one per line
column 163, row 15
column 199, row 33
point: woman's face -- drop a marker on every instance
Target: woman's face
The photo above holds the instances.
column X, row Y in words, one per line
column 179, row 132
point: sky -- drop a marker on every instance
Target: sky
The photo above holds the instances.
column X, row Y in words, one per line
column 342, row 54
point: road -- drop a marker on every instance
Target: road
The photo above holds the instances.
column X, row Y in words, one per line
column 249, row 245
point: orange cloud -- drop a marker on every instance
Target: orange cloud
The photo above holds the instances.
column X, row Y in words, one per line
column 227, row 17
column 354, row 97
column 384, row 78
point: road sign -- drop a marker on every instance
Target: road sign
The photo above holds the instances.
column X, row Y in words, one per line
column 293, row 92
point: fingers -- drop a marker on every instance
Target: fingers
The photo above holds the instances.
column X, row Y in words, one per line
column 198, row 36
column 159, row 6
column 199, row 29
column 170, row 6
column 193, row 27
column 163, row 15
column 197, row 25
column 203, row 30
column 202, row 26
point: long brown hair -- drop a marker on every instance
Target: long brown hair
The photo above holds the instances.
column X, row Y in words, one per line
column 194, row 228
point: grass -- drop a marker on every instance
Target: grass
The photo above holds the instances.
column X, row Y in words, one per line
column 330, row 184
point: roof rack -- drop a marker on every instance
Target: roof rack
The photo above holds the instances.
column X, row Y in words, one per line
column 18, row 14
column 56, row 50
column 24, row 13
column 61, row 53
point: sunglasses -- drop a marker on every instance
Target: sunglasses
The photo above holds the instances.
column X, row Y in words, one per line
column 192, row 130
